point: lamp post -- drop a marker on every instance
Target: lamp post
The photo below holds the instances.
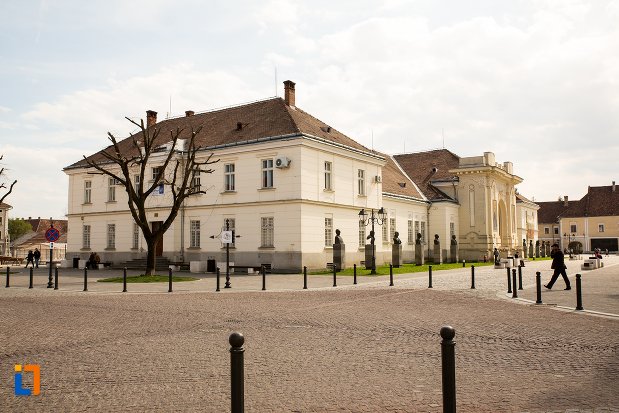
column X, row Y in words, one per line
column 377, row 217
column 227, row 237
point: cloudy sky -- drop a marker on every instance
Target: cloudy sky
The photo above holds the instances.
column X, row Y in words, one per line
column 534, row 81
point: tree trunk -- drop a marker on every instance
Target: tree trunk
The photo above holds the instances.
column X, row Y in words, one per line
column 151, row 256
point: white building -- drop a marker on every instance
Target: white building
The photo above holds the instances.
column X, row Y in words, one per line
column 285, row 181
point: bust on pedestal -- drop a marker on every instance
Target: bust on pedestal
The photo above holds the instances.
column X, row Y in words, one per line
column 543, row 249
column 396, row 250
column 453, row 249
column 437, row 257
column 524, row 248
column 531, row 255
column 339, row 252
column 418, row 250
column 537, row 249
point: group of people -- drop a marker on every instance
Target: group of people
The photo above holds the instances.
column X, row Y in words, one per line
column 93, row 261
column 33, row 258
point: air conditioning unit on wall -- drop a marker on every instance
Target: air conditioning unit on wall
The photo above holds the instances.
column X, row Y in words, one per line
column 378, row 179
column 282, row 162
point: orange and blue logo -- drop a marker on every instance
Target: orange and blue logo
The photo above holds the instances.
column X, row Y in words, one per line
column 35, row 369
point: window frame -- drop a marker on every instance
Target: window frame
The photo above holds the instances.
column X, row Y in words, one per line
column 328, row 176
column 111, row 237
column 267, row 174
column 194, row 233
column 86, row 230
column 229, row 177
column 88, row 192
column 361, row 182
column 267, row 232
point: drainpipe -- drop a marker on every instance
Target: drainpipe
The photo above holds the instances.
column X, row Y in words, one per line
column 428, row 229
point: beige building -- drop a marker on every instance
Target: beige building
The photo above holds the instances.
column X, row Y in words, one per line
column 4, row 229
column 285, row 181
column 584, row 225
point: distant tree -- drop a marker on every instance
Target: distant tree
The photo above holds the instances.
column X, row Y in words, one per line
column 18, row 227
column 178, row 173
column 3, row 185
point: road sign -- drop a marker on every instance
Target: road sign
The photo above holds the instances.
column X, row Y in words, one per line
column 226, row 237
column 52, row 234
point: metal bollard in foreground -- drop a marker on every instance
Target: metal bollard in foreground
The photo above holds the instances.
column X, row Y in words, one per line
column 85, row 279
column 472, row 277
column 169, row 280
column 509, row 282
column 538, row 286
column 448, row 362
column 31, row 278
column 520, row 278
column 334, row 275
column 354, row 274
column 304, row 277
column 515, row 292
column 8, row 276
column 49, row 279
column 217, row 289
column 237, row 387
column 429, row 276
column 56, row 278
column 390, row 275
column 264, row 278
column 463, row 263
column 578, row 293
column 125, row 280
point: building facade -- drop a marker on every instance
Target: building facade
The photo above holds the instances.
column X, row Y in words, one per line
column 4, row 229
column 284, row 182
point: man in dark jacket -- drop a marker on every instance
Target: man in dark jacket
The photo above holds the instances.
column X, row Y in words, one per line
column 558, row 264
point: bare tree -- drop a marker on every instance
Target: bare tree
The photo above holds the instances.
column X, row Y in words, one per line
column 2, row 184
column 178, row 171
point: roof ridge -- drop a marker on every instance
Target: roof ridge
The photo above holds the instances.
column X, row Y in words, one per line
column 222, row 108
column 397, row 164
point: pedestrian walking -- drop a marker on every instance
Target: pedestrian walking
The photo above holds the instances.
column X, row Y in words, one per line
column 37, row 257
column 30, row 259
column 496, row 256
column 558, row 264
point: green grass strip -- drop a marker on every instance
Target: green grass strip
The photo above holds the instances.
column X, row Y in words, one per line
column 147, row 279
column 403, row 269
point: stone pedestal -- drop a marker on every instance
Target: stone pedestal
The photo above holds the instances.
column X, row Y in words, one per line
column 418, row 254
column 369, row 248
column 453, row 253
column 437, row 257
column 537, row 251
column 531, row 250
column 396, row 255
column 339, row 256
column 543, row 250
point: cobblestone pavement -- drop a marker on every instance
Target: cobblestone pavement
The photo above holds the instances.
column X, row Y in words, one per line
column 365, row 348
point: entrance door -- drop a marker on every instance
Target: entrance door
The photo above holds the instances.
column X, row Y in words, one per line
column 155, row 225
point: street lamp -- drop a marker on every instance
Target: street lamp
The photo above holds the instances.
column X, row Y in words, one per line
column 379, row 218
column 227, row 237
column 569, row 237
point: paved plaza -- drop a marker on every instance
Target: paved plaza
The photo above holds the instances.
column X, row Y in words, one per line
column 363, row 348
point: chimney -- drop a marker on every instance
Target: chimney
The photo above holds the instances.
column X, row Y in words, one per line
column 189, row 113
column 614, row 187
column 289, row 92
column 151, row 118
column 565, row 203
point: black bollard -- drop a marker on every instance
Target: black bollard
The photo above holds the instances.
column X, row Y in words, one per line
column 448, row 362
column 463, row 263
column 237, row 387
column 520, row 278
column 56, row 278
column 578, row 293
column 472, row 277
column 390, row 275
column 169, row 280
column 31, row 278
column 125, row 280
column 509, row 282
column 515, row 292
column 538, row 282
column 354, row 274
column 217, row 279
column 49, row 280
column 8, row 276
column 85, row 279
column 429, row 276
column 304, row 277
column 334, row 275
column 264, row 278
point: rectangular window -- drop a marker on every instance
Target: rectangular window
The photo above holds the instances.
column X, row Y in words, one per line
column 155, row 173
column 411, row 234
column 267, row 173
column 328, row 168
column 328, row 232
column 136, row 236
column 416, row 229
column 422, row 230
column 87, row 192
column 556, row 230
column 136, row 183
column 472, row 207
column 194, row 234
column 385, row 228
column 361, row 181
column 229, row 177
column 600, row 227
column 195, row 182
column 573, row 228
column 267, row 229
column 111, row 190
column 391, row 228
column 361, row 234
column 546, row 230
column 86, row 236
column 111, row 235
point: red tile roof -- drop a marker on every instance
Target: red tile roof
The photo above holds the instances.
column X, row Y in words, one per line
column 599, row 201
column 396, row 182
column 420, row 167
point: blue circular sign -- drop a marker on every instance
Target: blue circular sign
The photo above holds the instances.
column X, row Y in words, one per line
column 52, row 234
